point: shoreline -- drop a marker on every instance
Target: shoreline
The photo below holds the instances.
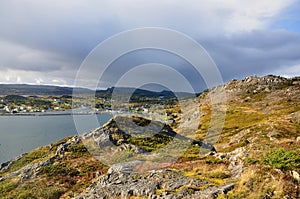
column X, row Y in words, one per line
column 54, row 113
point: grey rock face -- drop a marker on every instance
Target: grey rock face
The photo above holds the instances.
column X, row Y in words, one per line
column 295, row 175
column 236, row 163
column 257, row 84
column 5, row 165
column 166, row 183
column 126, row 167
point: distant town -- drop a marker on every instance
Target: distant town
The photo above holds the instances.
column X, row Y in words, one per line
column 23, row 105
column 31, row 104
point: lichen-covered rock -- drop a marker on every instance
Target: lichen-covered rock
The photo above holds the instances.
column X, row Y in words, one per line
column 121, row 183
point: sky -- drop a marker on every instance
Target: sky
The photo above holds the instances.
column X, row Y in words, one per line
column 46, row 42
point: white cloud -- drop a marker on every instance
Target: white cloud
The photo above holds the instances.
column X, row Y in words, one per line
column 290, row 71
column 14, row 76
column 255, row 14
column 59, row 81
column 19, row 80
column 39, row 80
column 7, row 78
column 206, row 16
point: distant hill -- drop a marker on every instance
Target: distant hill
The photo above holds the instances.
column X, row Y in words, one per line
column 25, row 89
column 140, row 94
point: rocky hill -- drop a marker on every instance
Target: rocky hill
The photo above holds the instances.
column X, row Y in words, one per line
column 256, row 156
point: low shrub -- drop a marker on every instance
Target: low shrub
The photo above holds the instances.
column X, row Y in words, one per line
column 60, row 169
column 283, row 159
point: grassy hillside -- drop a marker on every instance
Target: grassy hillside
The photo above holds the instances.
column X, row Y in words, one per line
column 258, row 152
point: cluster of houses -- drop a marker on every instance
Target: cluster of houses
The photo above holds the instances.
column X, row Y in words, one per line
column 8, row 108
column 22, row 109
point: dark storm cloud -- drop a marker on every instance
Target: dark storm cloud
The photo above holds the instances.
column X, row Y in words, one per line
column 258, row 52
column 254, row 53
column 265, row 40
column 62, row 33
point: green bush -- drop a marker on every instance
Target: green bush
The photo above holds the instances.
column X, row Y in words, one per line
column 6, row 187
column 252, row 160
column 60, row 169
column 36, row 190
column 78, row 150
column 153, row 143
column 283, row 159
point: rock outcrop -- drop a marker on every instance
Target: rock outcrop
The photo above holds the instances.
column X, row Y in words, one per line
column 121, row 131
column 121, row 182
column 30, row 171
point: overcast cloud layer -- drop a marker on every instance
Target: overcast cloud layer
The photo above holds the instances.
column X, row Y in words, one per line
column 44, row 42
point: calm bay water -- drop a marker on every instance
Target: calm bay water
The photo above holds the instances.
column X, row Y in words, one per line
column 20, row 134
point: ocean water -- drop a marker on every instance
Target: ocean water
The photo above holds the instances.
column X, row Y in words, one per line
column 20, row 134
